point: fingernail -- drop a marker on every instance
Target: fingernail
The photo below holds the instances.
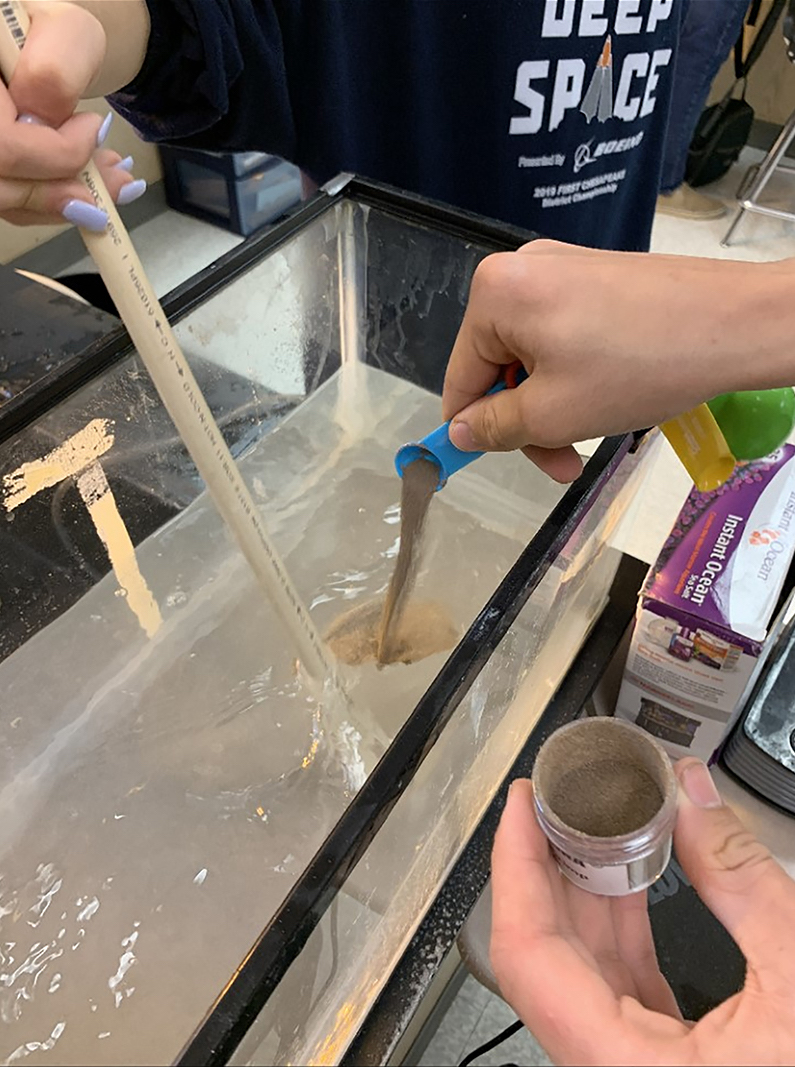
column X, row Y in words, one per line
column 461, row 437
column 79, row 213
column 131, row 192
column 513, row 790
column 125, row 164
column 104, row 129
column 698, row 785
column 31, row 120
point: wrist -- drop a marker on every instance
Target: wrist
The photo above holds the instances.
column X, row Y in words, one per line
column 760, row 327
column 740, row 321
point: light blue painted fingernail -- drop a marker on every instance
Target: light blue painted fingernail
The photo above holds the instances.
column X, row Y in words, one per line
column 125, row 164
column 104, row 129
column 79, row 213
column 31, row 120
column 131, row 192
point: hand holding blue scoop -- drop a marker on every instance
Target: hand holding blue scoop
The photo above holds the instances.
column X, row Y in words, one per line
column 437, row 446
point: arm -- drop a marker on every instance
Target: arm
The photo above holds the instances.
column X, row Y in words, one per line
column 613, row 342
column 77, row 50
column 125, row 24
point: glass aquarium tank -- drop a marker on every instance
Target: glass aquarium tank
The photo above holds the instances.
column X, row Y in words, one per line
column 207, row 854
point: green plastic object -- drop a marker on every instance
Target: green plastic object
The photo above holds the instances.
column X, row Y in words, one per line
column 755, row 424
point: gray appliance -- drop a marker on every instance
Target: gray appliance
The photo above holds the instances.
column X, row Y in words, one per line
column 761, row 750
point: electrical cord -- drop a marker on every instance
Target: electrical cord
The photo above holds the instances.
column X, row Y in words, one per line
column 509, row 1031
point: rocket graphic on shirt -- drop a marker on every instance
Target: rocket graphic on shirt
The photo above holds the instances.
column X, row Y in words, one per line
column 598, row 99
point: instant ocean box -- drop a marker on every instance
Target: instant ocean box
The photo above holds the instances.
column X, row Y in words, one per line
column 706, row 608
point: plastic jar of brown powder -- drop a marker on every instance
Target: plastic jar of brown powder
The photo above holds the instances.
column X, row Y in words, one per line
column 605, row 796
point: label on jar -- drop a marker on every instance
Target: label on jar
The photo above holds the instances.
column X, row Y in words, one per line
column 609, row 881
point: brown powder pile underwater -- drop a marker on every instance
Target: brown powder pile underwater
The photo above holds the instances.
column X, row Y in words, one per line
column 423, row 630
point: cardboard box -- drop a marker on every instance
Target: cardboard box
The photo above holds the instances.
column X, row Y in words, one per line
column 706, row 608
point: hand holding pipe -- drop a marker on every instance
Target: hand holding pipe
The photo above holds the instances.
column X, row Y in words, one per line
column 437, row 446
column 143, row 316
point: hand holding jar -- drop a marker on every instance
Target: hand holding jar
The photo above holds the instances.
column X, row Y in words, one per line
column 581, row 970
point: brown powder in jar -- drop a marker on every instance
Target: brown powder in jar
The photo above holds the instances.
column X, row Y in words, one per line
column 606, row 798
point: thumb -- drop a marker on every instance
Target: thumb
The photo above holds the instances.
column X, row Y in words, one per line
column 496, row 423
column 734, row 874
column 500, row 423
column 62, row 56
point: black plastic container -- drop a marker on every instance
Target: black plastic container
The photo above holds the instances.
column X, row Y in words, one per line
column 241, row 192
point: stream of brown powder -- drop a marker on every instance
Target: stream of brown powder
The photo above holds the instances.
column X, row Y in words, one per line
column 420, row 479
column 400, row 629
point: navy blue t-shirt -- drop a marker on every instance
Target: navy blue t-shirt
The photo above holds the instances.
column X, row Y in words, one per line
column 550, row 114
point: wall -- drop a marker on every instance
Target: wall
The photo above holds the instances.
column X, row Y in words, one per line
column 15, row 240
column 771, row 84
